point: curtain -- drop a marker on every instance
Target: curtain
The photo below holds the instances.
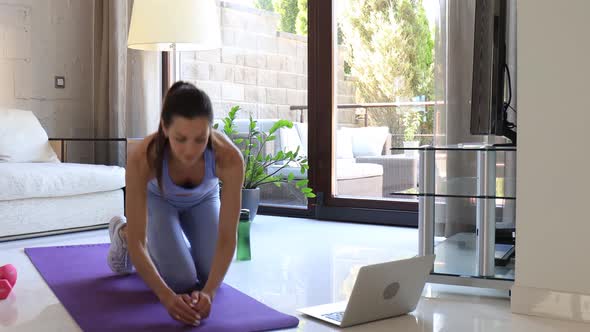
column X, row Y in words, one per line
column 126, row 82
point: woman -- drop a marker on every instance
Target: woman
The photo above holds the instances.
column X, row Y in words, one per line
column 173, row 191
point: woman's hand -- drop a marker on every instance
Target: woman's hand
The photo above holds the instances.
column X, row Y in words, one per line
column 202, row 303
column 179, row 308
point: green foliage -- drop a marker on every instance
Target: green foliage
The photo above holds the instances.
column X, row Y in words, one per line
column 339, row 34
column 256, row 164
column 288, row 10
column 427, row 126
column 411, row 121
column 264, row 4
column 293, row 14
column 347, row 68
column 419, row 47
column 390, row 53
column 302, row 18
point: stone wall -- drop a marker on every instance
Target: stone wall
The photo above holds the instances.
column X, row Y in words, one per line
column 262, row 70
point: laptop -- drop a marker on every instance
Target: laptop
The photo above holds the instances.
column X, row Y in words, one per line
column 380, row 291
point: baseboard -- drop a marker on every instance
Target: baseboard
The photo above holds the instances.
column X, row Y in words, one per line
column 550, row 303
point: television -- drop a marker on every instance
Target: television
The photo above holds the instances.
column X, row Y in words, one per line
column 490, row 88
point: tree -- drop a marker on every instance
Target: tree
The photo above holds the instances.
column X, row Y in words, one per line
column 288, row 10
column 419, row 47
column 302, row 18
column 390, row 51
column 264, row 4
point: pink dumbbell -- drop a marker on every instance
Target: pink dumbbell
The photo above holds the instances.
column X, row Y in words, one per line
column 7, row 280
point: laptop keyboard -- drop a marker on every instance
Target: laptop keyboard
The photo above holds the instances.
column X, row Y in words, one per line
column 337, row 316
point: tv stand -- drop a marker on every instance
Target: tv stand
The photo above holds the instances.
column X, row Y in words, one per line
column 481, row 258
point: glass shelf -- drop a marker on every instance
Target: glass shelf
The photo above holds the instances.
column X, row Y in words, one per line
column 451, row 183
column 459, row 147
column 443, row 190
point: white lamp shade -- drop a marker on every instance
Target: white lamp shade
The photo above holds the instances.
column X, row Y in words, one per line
column 192, row 25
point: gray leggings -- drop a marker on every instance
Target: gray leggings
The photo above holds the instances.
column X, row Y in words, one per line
column 183, row 267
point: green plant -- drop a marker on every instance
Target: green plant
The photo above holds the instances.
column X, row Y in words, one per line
column 301, row 20
column 264, row 4
column 256, row 163
column 411, row 121
column 390, row 53
column 288, row 10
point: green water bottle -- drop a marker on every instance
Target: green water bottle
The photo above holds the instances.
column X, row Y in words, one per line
column 244, row 236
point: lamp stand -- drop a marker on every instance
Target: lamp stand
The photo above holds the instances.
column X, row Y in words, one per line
column 175, row 62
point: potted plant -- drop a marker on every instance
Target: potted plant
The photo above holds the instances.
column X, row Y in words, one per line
column 256, row 163
column 411, row 121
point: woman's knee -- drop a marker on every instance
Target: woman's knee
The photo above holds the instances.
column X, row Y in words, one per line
column 180, row 282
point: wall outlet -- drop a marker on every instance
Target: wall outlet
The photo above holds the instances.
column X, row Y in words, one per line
column 60, row 82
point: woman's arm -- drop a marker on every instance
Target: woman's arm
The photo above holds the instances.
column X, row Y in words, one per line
column 137, row 176
column 230, row 171
column 136, row 207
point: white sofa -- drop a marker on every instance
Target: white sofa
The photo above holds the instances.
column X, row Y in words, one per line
column 39, row 195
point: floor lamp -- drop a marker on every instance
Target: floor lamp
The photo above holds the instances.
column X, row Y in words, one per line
column 174, row 26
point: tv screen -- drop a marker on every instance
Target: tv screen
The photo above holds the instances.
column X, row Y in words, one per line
column 488, row 106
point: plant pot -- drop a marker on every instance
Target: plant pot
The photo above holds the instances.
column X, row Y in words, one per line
column 251, row 200
column 411, row 144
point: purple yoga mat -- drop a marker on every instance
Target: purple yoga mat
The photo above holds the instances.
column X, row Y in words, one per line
column 98, row 300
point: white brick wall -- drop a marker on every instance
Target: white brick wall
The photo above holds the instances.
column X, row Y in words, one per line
column 195, row 70
column 232, row 92
column 221, row 72
column 255, row 94
column 267, row 78
column 287, row 46
column 245, row 39
column 213, row 89
column 274, row 62
column 302, row 83
column 287, row 80
column 232, row 56
column 276, row 96
column 211, row 56
column 266, row 44
column 255, row 60
column 228, row 37
column 245, row 75
column 296, row 97
column 257, row 66
column 302, row 50
column 267, row 111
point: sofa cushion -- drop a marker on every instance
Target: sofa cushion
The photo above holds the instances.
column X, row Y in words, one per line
column 23, row 139
column 357, row 171
column 286, row 170
column 343, row 145
column 35, row 180
column 302, row 130
column 367, row 141
column 345, row 162
column 290, row 141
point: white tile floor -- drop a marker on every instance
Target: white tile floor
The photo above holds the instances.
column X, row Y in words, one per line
column 296, row 263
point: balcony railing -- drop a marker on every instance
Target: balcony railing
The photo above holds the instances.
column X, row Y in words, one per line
column 396, row 137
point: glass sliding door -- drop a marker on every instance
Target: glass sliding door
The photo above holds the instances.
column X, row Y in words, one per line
column 384, row 65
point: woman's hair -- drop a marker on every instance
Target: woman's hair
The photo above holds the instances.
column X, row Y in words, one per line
column 185, row 100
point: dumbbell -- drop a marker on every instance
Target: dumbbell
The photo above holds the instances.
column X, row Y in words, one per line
column 7, row 280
